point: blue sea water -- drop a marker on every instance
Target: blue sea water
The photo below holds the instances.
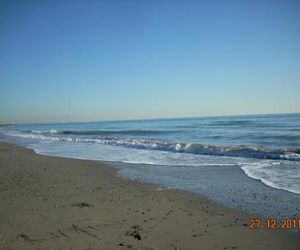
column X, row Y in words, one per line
column 185, row 153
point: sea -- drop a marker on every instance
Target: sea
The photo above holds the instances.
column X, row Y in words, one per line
column 228, row 158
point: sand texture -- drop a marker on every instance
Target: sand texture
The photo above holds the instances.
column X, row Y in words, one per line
column 58, row 203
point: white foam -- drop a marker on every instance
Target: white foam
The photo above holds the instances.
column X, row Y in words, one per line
column 279, row 175
column 36, row 131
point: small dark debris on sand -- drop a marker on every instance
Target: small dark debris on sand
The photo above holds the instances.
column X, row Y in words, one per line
column 82, row 204
column 135, row 232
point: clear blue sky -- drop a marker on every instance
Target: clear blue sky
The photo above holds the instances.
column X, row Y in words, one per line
column 105, row 60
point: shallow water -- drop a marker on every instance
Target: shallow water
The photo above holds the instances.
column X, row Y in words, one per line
column 265, row 147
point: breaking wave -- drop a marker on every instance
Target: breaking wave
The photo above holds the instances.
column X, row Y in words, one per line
column 244, row 151
column 106, row 132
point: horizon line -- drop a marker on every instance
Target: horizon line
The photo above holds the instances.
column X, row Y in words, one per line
column 150, row 119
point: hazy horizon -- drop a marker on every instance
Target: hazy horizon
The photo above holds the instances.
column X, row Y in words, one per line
column 156, row 118
column 116, row 60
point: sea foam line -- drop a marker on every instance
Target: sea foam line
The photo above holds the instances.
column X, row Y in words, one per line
column 245, row 151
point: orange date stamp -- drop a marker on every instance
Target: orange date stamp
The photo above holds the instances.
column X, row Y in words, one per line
column 257, row 223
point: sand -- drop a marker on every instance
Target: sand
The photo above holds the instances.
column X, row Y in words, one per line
column 59, row 203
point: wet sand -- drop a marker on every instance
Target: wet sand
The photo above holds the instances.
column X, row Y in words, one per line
column 59, row 203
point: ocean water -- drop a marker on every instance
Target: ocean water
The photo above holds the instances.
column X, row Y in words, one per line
column 178, row 153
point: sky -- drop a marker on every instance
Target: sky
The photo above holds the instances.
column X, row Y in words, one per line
column 112, row 60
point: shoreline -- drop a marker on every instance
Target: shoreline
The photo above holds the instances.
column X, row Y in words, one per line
column 62, row 203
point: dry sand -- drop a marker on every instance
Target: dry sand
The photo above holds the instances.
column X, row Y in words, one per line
column 58, row 203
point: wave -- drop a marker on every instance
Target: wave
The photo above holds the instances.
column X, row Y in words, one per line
column 244, row 151
column 274, row 175
column 51, row 131
column 106, row 132
column 141, row 132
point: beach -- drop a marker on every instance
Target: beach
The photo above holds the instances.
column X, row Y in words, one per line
column 59, row 203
